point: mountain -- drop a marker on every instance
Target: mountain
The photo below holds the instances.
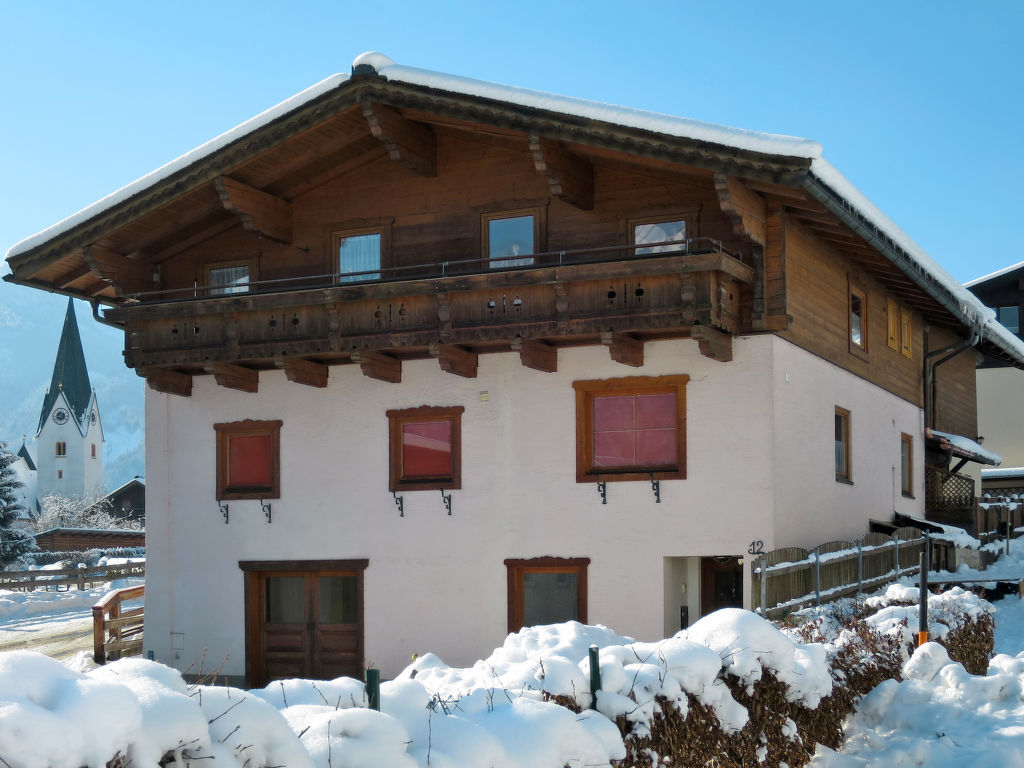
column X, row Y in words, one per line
column 30, row 326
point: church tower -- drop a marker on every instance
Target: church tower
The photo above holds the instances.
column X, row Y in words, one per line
column 70, row 436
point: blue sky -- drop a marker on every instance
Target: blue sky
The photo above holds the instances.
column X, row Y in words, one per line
column 917, row 103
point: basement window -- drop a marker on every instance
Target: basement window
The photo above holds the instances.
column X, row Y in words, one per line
column 249, row 460
column 546, row 590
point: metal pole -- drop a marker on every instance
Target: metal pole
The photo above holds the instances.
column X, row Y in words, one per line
column 764, row 586
column 373, row 688
column 595, row 676
column 922, row 625
column 817, row 579
column 860, row 567
column 896, row 551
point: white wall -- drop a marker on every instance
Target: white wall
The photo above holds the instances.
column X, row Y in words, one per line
column 1000, row 413
column 438, row 583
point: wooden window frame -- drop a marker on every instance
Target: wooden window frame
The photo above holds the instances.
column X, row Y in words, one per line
column 396, row 420
column 517, row 567
column 539, row 227
column 687, row 217
column 248, row 428
column 845, row 474
column 210, row 266
column 854, row 291
column 907, row 486
column 60, row 450
column 380, row 228
column 586, row 472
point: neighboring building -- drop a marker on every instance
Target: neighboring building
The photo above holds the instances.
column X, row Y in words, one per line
column 1001, row 386
column 77, row 539
column 430, row 359
column 126, row 503
column 69, row 438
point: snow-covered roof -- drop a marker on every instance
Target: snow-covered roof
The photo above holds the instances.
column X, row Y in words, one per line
column 997, row 273
column 1002, row 472
column 965, row 448
column 932, row 277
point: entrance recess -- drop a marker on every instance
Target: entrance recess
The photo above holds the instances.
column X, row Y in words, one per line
column 303, row 619
column 721, row 581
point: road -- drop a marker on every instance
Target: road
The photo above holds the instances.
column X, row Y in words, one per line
column 59, row 635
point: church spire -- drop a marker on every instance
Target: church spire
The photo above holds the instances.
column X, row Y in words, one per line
column 70, row 375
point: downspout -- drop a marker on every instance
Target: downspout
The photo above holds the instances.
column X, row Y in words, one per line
column 95, row 304
column 944, row 355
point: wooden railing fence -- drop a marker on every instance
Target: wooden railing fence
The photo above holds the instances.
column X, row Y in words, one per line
column 790, row 578
column 65, row 578
column 117, row 631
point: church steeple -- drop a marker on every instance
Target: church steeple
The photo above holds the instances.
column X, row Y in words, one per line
column 70, row 375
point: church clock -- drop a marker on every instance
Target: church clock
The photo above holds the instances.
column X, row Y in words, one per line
column 60, row 416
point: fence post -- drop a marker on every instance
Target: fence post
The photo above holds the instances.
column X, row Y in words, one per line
column 595, row 676
column 922, row 625
column 896, row 556
column 817, row 578
column 860, row 567
column 373, row 688
column 81, row 577
column 764, row 586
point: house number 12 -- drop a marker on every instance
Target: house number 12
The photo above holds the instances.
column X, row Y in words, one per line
column 756, row 548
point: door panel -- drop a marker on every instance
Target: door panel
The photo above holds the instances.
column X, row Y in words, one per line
column 721, row 581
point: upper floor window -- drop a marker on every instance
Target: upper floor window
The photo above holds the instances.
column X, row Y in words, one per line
column 901, row 328
column 1010, row 317
column 664, row 235
column 94, row 450
column 359, row 254
column 228, row 278
column 509, row 237
column 631, row 428
column 858, row 312
column 907, row 464
column 425, row 448
column 61, row 449
column 248, row 460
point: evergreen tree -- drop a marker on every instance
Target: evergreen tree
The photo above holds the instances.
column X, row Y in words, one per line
column 14, row 542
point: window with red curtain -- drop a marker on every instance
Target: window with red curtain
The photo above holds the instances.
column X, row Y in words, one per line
column 425, row 448
column 248, row 459
column 631, row 428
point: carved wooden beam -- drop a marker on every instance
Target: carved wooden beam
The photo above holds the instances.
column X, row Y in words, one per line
column 234, row 376
column 569, row 177
column 624, row 348
column 454, row 359
column 126, row 275
column 536, row 354
column 302, row 371
column 259, row 212
column 713, row 343
column 168, row 381
column 379, row 366
column 408, row 143
column 745, row 207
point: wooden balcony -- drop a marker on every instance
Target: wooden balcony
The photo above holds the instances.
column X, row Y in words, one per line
column 450, row 310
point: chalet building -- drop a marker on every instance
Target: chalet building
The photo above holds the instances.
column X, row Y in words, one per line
column 1000, row 416
column 430, row 359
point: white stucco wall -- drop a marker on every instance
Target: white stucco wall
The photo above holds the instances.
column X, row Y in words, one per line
column 81, row 474
column 1000, row 415
column 438, row 583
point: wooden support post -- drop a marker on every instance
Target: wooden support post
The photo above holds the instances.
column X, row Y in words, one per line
column 258, row 211
column 302, row 371
column 167, row 381
column 379, row 366
column 408, row 143
column 623, row 348
column 536, row 354
column 569, row 177
column 713, row 343
column 454, row 359
column 126, row 275
column 745, row 207
column 99, row 631
column 234, row 376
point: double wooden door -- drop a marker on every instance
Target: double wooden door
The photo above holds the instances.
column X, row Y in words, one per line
column 304, row 621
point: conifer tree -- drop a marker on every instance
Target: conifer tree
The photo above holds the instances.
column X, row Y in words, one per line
column 14, row 542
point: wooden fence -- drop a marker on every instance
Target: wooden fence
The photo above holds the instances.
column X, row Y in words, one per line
column 791, row 578
column 65, row 578
column 117, row 631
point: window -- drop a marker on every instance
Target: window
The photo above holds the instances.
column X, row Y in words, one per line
column 906, row 333
column 666, row 235
column 546, row 590
column 425, row 448
column 843, row 473
column 892, row 316
column 228, row 278
column 359, row 254
column 510, row 235
column 1010, row 317
column 249, row 460
column 60, row 474
column 858, row 313
column 631, row 428
column 907, row 464
column 94, row 450
column 61, row 448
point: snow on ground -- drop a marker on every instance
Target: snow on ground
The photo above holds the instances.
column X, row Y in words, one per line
column 495, row 714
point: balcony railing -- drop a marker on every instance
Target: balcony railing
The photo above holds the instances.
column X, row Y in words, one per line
column 443, row 268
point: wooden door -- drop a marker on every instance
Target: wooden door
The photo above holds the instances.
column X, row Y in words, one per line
column 721, row 583
column 303, row 621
